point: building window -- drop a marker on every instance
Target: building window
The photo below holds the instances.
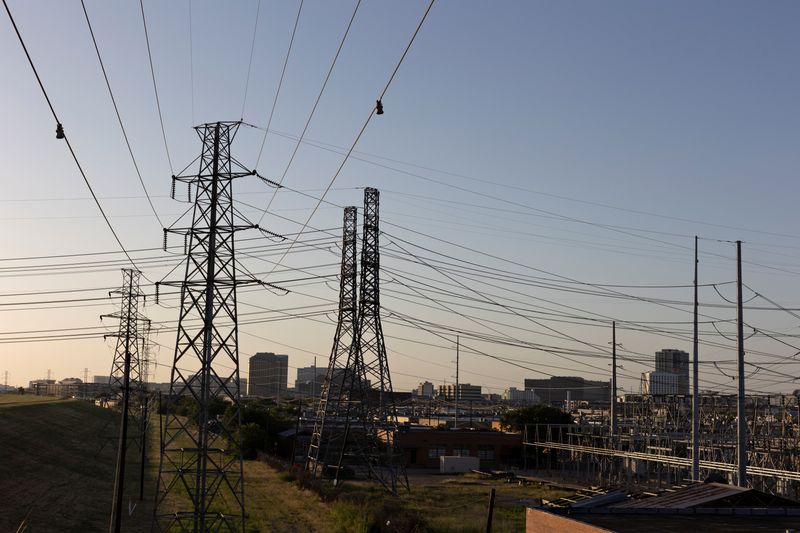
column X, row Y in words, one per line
column 435, row 453
column 485, row 452
column 461, row 452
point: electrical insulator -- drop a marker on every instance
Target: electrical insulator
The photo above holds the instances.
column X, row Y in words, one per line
column 172, row 193
column 157, row 286
column 378, row 107
column 185, row 243
column 59, row 131
column 189, row 192
column 165, row 240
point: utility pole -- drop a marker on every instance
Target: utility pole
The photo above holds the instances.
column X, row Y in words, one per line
column 201, row 457
column 614, row 428
column 741, row 433
column 458, row 349
column 695, row 383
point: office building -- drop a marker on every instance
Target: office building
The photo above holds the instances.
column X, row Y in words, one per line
column 527, row 396
column 424, row 390
column 675, row 362
column 309, row 381
column 660, row 383
column 466, row 392
column 555, row 390
column 269, row 374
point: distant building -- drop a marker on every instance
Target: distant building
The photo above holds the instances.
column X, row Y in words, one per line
column 424, row 390
column 675, row 362
column 466, row 392
column 309, row 381
column 423, row 447
column 556, row 389
column 513, row 394
column 105, row 380
column 269, row 374
column 660, row 383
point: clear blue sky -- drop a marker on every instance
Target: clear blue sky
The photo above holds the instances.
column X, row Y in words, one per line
column 590, row 140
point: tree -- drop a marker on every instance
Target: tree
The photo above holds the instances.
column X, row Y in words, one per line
column 517, row 419
column 252, row 436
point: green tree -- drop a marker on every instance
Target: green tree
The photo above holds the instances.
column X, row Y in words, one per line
column 517, row 419
column 252, row 436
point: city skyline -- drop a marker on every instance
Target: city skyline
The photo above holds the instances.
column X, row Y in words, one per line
column 553, row 167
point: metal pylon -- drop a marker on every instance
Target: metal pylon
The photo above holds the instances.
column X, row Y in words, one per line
column 200, row 482
column 374, row 450
column 127, row 388
column 330, row 426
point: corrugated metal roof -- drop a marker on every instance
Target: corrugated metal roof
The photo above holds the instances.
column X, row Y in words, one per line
column 685, row 498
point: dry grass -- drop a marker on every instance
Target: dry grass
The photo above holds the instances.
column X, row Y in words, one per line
column 57, row 467
column 57, row 472
column 449, row 504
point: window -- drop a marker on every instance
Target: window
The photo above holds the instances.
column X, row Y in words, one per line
column 435, row 453
column 486, row 452
column 461, row 452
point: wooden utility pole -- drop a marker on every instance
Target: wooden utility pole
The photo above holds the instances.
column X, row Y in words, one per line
column 491, row 513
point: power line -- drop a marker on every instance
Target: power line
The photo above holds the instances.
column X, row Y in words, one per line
column 366, row 123
column 313, row 110
column 250, row 63
column 119, row 117
column 65, row 137
column 280, row 81
column 155, row 87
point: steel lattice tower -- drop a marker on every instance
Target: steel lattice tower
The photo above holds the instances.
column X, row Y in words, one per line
column 330, row 426
column 127, row 353
column 200, row 481
column 127, row 377
column 370, row 443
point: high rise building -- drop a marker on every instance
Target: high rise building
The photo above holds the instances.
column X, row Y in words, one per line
column 309, row 381
column 269, row 373
column 424, row 390
column 675, row 362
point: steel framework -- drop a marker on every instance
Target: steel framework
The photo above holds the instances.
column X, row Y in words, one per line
column 200, row 482
column 331, row 422
column 654, row 444
column 127, row 377
column 356, row 421
column 371, row 441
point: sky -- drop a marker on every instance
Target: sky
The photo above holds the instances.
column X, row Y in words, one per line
column 543, row 168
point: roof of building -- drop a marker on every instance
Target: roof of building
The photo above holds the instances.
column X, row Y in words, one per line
column 684, row 498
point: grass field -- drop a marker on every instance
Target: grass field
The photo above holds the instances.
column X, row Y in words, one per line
column 57, row 474
column 57, row 466
column 442, row 504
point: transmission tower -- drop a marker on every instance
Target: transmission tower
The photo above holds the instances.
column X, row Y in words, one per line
column 369, row 446
column 200, row 481
column 126, row 378
column 331, row 424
